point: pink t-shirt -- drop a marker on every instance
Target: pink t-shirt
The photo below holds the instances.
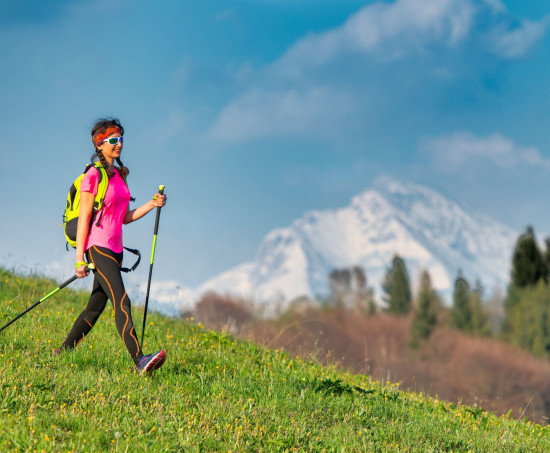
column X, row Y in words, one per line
column 109, row 232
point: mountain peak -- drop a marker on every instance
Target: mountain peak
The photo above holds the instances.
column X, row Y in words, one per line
column 427, row 229
column 390, row 185
column 370, row 199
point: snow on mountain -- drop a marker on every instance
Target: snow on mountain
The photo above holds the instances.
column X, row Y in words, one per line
column 426, row 229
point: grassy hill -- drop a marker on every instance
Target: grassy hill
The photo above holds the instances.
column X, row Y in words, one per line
column 214, row 393
column 450, row 365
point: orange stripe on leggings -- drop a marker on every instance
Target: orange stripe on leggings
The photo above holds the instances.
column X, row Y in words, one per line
column 127, row 319
column 133, row 333
column 104, row 254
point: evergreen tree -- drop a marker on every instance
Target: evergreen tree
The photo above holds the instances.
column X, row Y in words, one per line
column 479, row 316
column 461, row 313
column 397, row 288
column 425, row 315
column 528, row 264
column 512, row 303
column 531, row 327
column 546, row 258
column 528, row 269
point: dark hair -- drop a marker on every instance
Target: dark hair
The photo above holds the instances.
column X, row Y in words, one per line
column 102, row 125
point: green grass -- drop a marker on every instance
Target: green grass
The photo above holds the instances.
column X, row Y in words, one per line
column 214, row 393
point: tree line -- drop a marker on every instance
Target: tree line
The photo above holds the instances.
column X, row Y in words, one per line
column 521, row 316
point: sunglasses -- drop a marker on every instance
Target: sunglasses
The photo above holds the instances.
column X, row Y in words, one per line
column 114, row 140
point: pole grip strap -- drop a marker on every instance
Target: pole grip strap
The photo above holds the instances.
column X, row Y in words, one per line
column 136, row 264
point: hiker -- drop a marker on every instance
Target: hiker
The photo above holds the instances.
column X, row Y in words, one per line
column 101, row 242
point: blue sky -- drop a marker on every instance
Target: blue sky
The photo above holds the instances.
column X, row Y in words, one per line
column 253, row 112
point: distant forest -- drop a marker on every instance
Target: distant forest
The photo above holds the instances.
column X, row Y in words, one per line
column 520, row 316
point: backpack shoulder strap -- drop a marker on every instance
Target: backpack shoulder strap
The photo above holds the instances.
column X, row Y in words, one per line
column 101, row 190
column 101, row 185
column 88, row 166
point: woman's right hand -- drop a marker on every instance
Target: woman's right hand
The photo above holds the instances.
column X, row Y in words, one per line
column 82, row 231
column 82, row 271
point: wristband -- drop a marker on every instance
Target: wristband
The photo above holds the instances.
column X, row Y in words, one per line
column 80, row 263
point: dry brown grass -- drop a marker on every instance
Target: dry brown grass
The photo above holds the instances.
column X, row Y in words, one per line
column 222, row 312
column 450, row 365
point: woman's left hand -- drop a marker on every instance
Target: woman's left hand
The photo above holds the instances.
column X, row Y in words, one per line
column 159, row 200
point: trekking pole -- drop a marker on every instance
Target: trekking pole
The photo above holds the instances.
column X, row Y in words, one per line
column 60, row 287
column 161, row 191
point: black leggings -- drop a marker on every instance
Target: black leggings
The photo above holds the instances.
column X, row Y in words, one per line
column 107, row 285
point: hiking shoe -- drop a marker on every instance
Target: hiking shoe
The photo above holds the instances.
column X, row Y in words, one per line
column 56, row 352
column 150, row 362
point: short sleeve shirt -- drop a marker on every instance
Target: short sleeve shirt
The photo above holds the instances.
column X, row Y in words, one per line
column 115, row 205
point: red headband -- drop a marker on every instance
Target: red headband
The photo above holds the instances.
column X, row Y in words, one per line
column 98, row 138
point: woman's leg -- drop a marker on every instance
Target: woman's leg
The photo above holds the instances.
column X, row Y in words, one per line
column 107, row 272
column 87, row 319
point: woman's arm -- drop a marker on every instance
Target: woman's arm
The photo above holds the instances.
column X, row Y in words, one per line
column 84, row 216
column 157, row 202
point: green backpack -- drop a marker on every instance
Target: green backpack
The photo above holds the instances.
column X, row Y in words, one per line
column 72, row 207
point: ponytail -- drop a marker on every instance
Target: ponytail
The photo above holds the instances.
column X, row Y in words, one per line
column 124, row 172
column 104, row 164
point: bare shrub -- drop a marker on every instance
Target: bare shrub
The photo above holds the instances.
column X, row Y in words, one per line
column 222, row 312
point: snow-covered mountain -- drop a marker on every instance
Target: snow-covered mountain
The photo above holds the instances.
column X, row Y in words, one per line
column 426, row 229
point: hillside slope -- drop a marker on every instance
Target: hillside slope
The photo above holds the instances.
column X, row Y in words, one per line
column 214, row 394
column 450, row 364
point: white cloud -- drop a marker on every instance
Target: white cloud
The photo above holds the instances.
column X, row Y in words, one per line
column 394, row 28
column 496, row 5
column 390, row 30
column 456, row 151
column 303, row 90
column 515, row 42
column 169, row 297
column 261, row 113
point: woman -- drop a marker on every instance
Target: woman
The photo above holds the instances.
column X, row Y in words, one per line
column 103, row 247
